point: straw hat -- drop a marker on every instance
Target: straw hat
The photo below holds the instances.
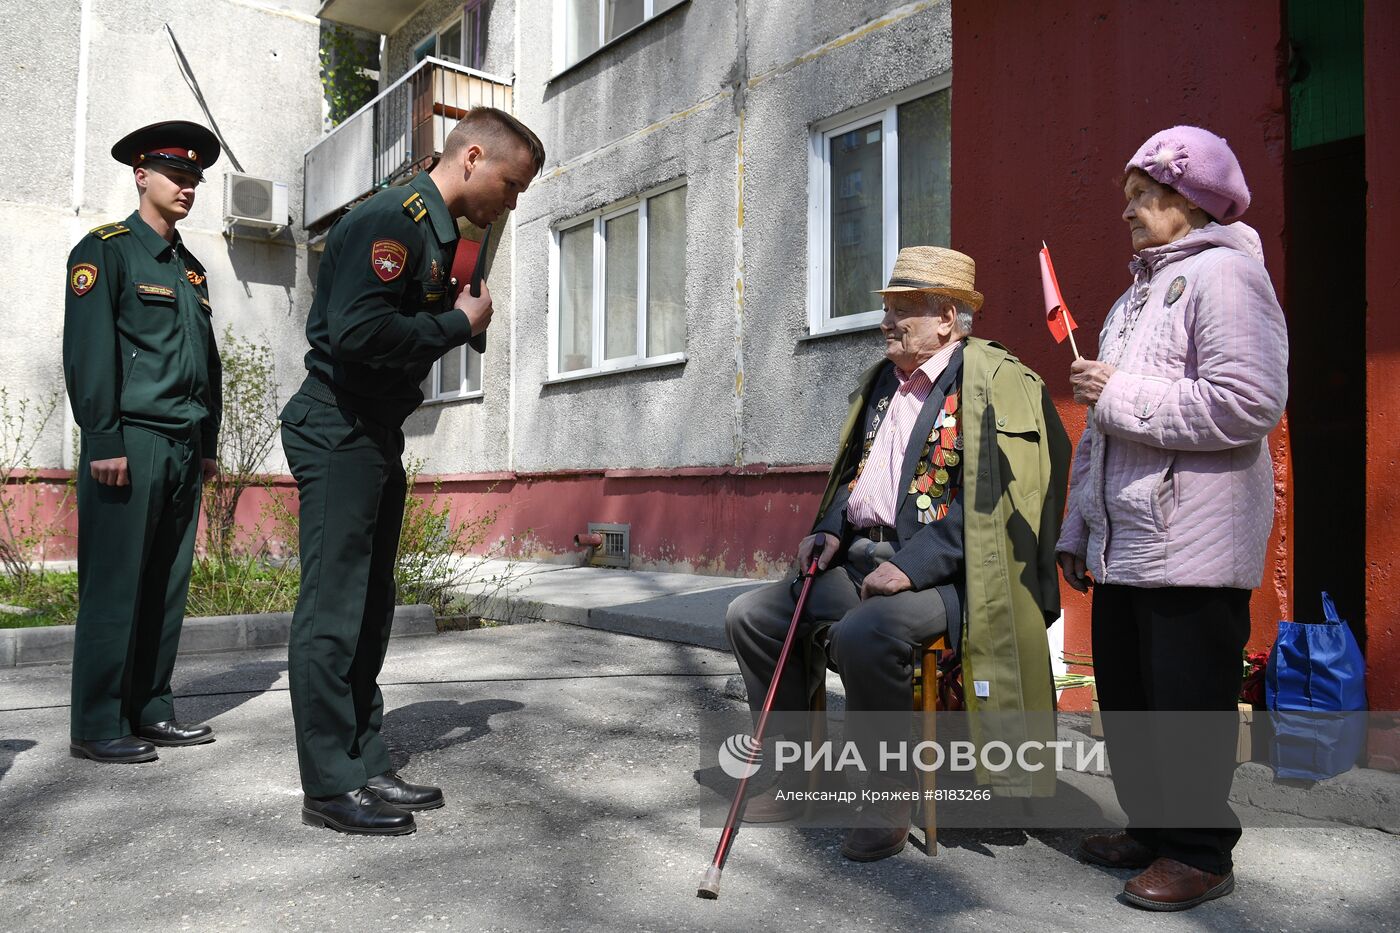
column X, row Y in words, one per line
column 935, row 271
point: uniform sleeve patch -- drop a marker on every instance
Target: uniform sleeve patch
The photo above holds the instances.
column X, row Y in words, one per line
column 82, row 278
column 387, row 258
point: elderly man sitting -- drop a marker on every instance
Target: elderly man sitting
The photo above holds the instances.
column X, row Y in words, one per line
column 944, row 503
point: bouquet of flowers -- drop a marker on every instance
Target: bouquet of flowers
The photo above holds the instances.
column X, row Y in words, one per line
column 1252, row 690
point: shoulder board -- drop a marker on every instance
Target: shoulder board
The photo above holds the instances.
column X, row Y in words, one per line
column 415, row 207
column 107, row 231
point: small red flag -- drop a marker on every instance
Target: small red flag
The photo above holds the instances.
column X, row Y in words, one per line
column 1057, row 316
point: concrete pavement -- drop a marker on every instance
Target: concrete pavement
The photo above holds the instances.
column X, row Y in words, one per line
column 678, row 607
column 572, row 791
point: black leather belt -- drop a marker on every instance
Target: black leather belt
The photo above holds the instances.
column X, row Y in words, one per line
column 878, row 533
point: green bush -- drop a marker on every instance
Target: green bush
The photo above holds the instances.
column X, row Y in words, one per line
column 430, row 567
column 246, row 437
column 24, row 537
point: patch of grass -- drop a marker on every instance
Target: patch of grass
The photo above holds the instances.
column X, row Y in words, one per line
column 238, row 585
column 241, row 584
column 53, row 595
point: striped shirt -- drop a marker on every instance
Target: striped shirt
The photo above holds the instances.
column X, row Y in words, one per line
column 875, row 500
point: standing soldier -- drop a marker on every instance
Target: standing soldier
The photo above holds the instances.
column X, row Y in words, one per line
column 383, row 312
column 143, row 377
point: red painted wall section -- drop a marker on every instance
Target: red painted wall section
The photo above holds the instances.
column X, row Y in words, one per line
column 735, row 522
column 1382, row 56
column 1049, row 101
column 44, row 513
column 723, row 521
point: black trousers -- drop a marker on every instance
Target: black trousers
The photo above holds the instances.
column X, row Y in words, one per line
column 352, row 485
column 135, row 551
column 1173, row 649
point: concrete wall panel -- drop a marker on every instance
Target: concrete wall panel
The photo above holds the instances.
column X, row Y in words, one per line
column 38, row 84
column 673, row 63
column 782, row 30
column 794, row 389
column 32, row 285
column 671, row 416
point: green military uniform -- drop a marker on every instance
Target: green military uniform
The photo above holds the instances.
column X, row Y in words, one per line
column 143, row 377
column 381, row 316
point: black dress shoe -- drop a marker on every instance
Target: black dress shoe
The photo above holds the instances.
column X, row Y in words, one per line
column 126, row 750
column 171, row 733
column 391, row 788
column 359, row 812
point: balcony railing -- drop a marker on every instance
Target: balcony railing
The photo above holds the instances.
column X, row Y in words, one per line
column 397, row 133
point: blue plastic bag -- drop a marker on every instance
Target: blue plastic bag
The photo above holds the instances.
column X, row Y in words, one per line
column 1316, row 673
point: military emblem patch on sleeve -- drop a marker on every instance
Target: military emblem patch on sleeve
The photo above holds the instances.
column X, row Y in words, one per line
column 387, row 258
column 82, row 278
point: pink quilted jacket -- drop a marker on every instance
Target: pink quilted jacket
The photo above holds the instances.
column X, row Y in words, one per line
column 1172, row 483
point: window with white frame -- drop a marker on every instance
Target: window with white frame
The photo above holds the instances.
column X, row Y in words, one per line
column 880, row 179
column 461, row 40
column 457, row 374
column 619, row 286
column 587, row 25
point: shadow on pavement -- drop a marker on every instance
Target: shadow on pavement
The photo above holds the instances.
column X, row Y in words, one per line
column 10, row 749
column 216, row 694
column 433, row 725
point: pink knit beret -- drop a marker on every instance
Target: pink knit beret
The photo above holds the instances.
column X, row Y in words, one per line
column 1200, row 166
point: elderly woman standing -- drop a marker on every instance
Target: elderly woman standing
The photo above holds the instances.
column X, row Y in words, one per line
column 1171, row 502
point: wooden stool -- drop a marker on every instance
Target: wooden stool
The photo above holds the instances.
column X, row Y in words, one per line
column 928, row 701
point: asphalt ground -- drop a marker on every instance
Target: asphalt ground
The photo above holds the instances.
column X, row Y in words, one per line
column 569, row 761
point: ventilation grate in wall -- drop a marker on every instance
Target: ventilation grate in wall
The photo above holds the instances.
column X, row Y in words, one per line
column 617, row 545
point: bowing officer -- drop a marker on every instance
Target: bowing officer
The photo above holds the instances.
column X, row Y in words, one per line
column 143, row 377
column 383, row 312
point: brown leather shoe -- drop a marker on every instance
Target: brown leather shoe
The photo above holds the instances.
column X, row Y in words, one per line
column 765, row 807
column 1115, row 850
column 1170, row 885
column 882, row 830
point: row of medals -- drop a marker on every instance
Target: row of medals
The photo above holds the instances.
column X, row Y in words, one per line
column 941, row 453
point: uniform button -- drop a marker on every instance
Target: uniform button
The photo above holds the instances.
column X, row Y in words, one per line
column 1001, row 422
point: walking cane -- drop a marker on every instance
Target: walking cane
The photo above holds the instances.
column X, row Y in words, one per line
column 709, row 887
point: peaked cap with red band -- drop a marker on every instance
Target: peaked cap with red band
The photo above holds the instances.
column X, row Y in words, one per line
column 176, row 143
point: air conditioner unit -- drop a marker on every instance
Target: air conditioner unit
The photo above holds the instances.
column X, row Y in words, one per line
column 254, row 202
